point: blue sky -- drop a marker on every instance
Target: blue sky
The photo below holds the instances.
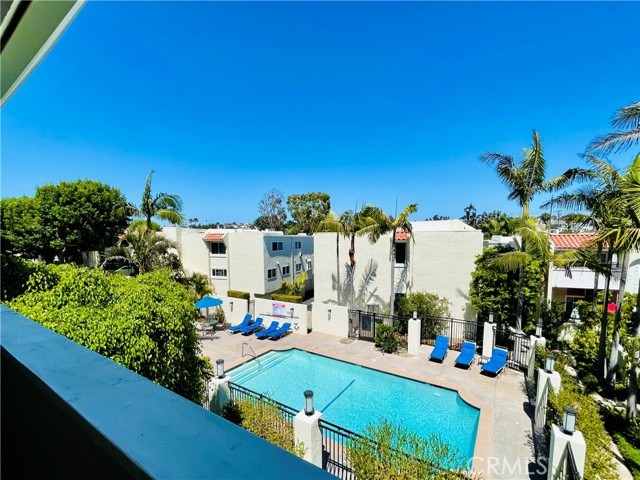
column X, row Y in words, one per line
column 377, row 102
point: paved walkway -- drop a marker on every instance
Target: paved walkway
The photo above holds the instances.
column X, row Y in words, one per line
column 504, row 446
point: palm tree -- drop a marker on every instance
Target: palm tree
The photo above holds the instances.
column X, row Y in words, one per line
column 339, row 225
column 165, row 206
column 524, row 180
column 627, row 121
column 384, row 224
column 623, row 236
column 145, row 250
column 535, row 246
column 592, row 204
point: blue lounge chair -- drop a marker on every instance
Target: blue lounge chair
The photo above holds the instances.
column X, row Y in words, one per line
column 271, row 328
column 244, row 323
column 497, row 361
column 467, row 354
column 276, row 334
column 441, row 348
column 249, row 329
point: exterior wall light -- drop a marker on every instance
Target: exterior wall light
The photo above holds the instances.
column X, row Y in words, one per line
column 231, row 306
column 549, row 363
column 415, row 314
column 569, row 420
column 291, row 312
column 539, row 330
column 329, row 314
column 308, row 403
column 220, row 368
column 490, row 317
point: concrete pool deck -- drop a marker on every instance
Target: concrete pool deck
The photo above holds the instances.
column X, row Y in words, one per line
column 504, row 445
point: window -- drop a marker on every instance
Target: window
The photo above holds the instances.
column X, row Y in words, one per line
column 271, row 274
column 401, row 253
column 298, row 267
column 298, row 245
column 219, row 272
column 276, row 246
column 218, row 248
column 308, row 264
column 286, row 270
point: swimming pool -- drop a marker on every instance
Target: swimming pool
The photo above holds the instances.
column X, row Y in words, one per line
column 353, row 396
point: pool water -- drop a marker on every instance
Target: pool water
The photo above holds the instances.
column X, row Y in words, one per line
column 353, row 397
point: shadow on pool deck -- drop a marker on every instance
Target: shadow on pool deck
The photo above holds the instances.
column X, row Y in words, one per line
column 505, row 437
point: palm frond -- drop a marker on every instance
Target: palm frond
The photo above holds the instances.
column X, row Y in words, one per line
column 614, row 142
column 627, row 117
column 509, row 261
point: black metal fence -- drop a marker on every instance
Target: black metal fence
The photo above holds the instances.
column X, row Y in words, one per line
column 283, row 421
column 518, row 345
column 334, row 442
column 457, row 331
column 362, row 325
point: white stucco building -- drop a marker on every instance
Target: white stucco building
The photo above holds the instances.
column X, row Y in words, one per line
column 245, row 260
column 440, row 260
column 570, row 287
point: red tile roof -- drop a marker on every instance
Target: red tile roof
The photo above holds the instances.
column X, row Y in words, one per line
column 213, row 236
column 565, row 241
column 401, row 235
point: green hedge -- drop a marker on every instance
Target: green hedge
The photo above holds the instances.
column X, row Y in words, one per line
column 281, row 297
column 145, row 324
column 238, row 294
column 599, row 459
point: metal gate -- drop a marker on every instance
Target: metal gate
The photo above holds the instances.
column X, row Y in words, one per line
column 518, row 345
column 362, row 325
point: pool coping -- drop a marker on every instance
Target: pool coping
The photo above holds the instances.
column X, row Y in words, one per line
column 482, row 448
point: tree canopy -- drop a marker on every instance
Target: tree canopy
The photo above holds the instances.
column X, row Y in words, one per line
column 272, row 212
column 62, row 220
column 308, row 211
column 144, row 323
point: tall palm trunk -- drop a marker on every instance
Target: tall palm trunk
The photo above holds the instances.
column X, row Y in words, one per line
column 612, row 368
column 634, row 371
column 604, row 320
column 392, row 255
column 520, row 305
column 338, row 264
column 352, row 262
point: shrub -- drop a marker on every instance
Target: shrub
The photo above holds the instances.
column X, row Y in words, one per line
column 238, row 294
column 630, row 453
column 281, row 297
column 393, row 452
column 145, row 323
column 386, row 339
column 15, row 273
column 599, row 459
column 264, row 419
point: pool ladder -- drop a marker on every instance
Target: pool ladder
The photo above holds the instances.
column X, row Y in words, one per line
column 252, row 353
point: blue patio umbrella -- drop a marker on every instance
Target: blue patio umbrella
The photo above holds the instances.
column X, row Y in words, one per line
column 207, row 302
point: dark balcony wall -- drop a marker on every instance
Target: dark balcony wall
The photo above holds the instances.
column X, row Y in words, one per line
column 42, row 437
column 69, row 413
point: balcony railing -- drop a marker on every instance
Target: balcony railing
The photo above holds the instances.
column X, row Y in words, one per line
column 68, row 412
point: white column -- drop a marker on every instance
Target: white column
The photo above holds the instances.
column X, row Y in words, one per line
column 413, row 340
column 559, row 454
column 487, row 339
column 531, row 363
column 545, row 379
column 219, row 394
column 306, row 430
